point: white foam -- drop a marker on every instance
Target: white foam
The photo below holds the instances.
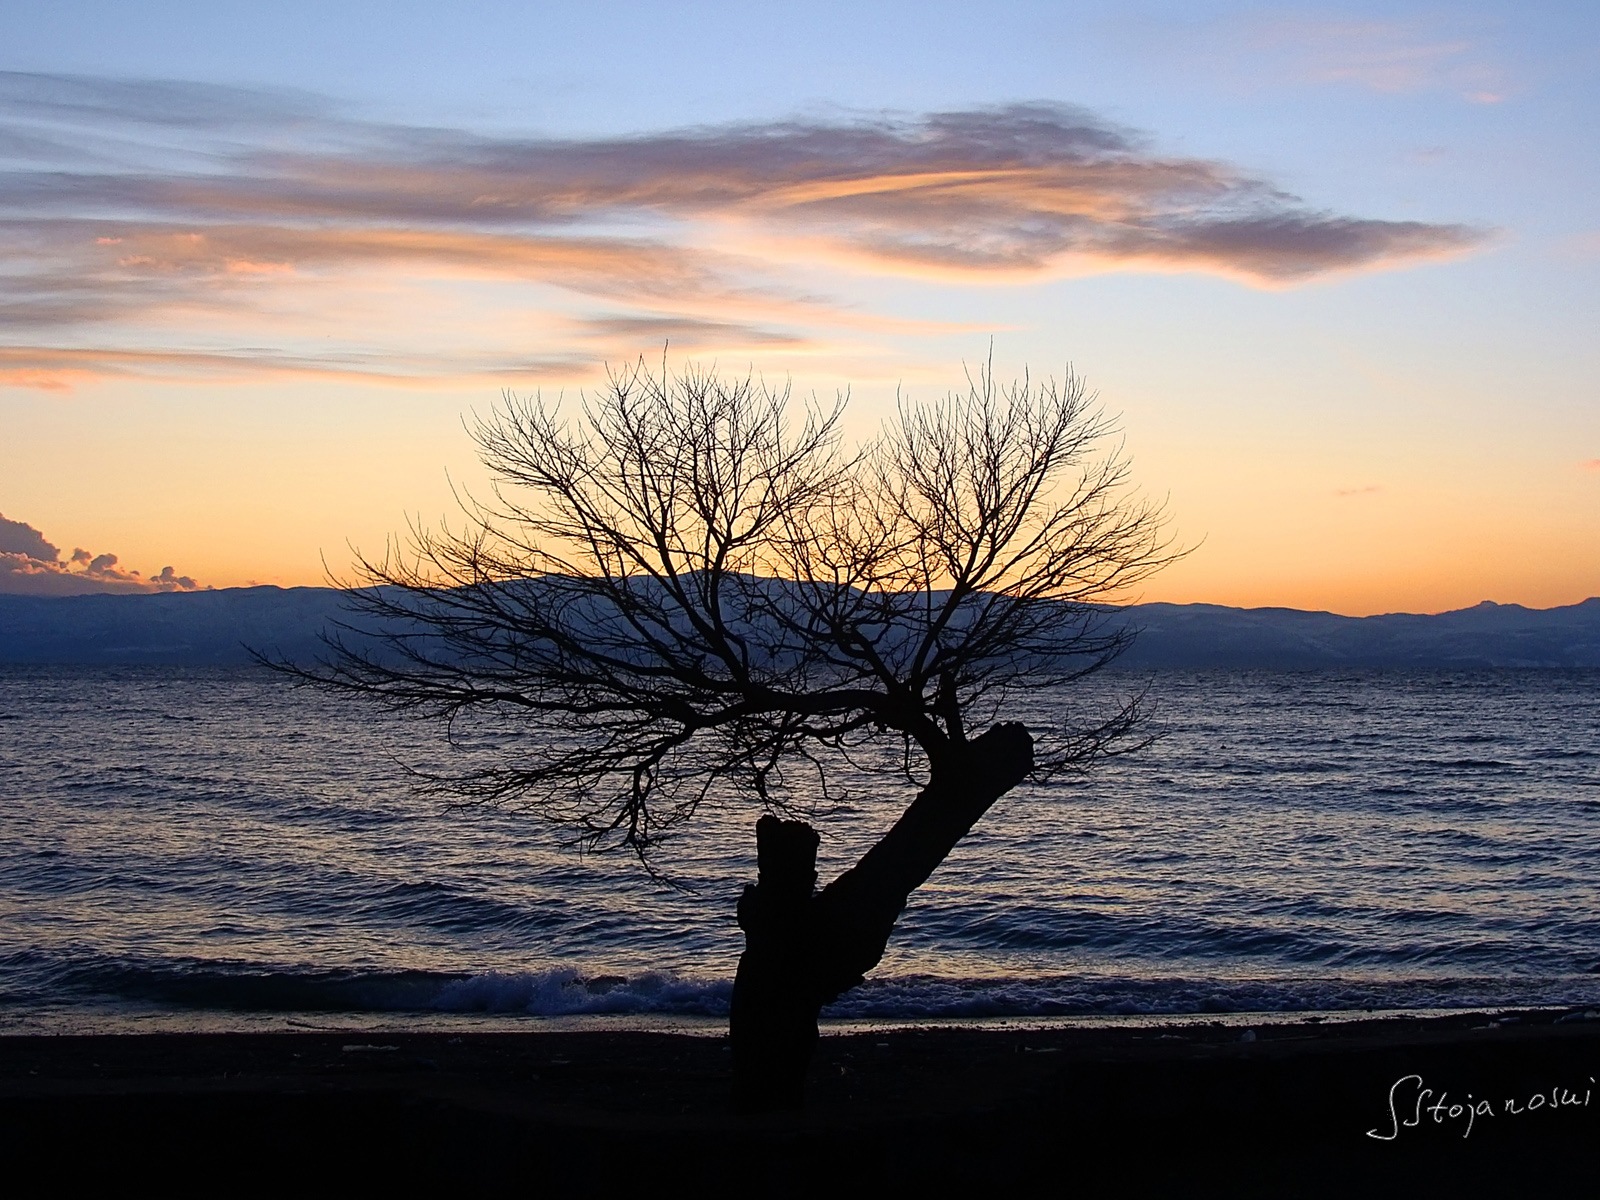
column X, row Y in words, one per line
column 565, row 991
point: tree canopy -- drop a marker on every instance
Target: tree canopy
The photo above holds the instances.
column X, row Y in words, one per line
column 686, row 582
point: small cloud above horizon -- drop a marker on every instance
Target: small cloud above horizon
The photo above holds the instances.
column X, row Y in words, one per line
column 32, row 566
column 1370, row 489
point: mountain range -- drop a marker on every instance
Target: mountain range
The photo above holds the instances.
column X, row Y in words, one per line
column 213, row 628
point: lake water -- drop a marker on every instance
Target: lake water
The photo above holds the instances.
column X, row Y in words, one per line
column 215, row 849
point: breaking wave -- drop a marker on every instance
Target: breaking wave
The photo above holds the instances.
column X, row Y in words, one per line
column 571, row 991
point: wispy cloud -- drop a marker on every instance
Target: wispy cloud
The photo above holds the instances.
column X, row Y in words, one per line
column 1583, row 245
column 1386, row 56
column 1391, row 56
column 1446, row 53
column 1370, row 489
column 129, row 210
column 32, row 566
column 1592, row 465
column 685, row 332
column 54, row 368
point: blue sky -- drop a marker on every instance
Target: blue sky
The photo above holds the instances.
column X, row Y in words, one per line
column 1336, row 266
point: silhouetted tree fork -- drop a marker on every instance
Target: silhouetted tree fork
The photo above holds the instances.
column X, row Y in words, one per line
column 805, row 950
column 684, row 596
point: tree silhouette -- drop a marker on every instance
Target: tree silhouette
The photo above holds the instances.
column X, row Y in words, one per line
column 692, row 590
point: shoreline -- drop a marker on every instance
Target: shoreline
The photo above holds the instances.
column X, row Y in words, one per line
column 1274, row 1109
column 77, row 1022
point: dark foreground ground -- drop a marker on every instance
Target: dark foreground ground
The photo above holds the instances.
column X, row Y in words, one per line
column 1184, row 1111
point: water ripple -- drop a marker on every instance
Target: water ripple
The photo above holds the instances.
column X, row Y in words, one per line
column 216, row 840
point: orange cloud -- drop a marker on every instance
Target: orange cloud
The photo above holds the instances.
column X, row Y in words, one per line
column 32, row 566
column 97, row 254
column 60, row 368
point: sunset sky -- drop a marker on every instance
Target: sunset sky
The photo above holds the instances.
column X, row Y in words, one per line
column 1337, row 267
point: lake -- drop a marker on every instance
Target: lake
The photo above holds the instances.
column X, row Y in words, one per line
column 212, row 848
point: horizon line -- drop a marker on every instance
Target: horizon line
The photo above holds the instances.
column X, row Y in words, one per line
column 253, row 586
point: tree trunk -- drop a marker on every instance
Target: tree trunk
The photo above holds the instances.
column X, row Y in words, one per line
column 804, row 949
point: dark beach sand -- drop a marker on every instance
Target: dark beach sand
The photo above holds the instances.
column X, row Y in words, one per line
column 1190, row 1110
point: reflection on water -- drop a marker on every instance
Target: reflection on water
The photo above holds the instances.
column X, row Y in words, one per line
column 216, row 842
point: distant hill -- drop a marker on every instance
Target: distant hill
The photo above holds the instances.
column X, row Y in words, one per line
column 177, row 628
column 213, row 628
column 1486, row 635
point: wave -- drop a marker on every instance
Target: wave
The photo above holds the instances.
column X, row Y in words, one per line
column 567, row 992
column 195, row 984
column 573, row 991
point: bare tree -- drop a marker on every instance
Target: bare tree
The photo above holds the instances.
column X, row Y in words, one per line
column 692, row 590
